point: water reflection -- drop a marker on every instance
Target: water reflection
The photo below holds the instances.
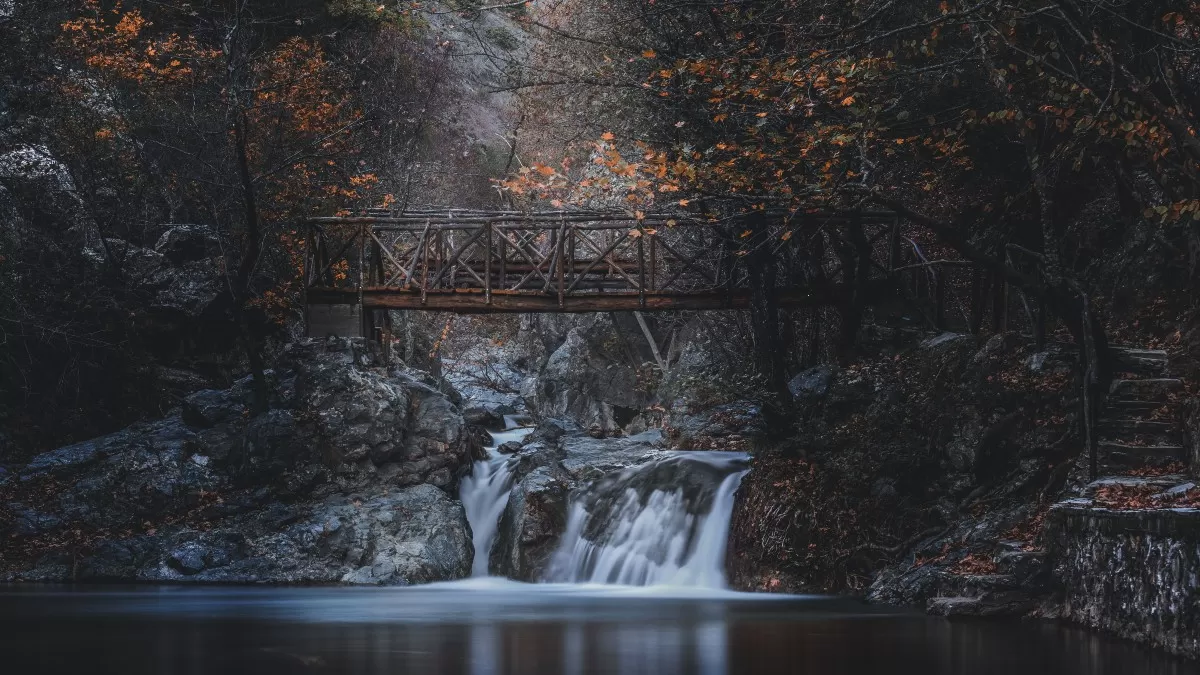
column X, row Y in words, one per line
column 533, row 633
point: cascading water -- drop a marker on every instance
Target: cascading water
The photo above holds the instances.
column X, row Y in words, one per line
column 484, row 493
column 666, row 522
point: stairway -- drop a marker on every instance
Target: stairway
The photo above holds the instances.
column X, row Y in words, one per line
column 1137, row 427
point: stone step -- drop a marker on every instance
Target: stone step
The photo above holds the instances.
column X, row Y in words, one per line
column 1133, row 426
column 1145, row 362
column 1010, row 603
column 1157, row 389
column 1128, row 456
column 1160, row 483
column 1132, row 408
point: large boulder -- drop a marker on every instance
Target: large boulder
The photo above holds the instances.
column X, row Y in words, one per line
column 391, row 536
column 338, row 481
column 531, row 525
column 588, row 380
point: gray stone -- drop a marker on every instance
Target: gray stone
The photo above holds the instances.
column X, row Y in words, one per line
column 812, row 383
column 188, row 559
column 583, row 380
column 187, row 243
column 31, row 522
column 531, row 525
column 345, row 518
column 209, row 407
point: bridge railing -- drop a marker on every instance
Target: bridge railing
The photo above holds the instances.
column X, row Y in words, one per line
column 568, row 261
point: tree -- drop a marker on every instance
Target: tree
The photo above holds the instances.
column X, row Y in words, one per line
column 996, row 128
column 251, row 122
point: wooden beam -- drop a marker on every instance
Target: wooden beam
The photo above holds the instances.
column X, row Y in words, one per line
column 474, row 300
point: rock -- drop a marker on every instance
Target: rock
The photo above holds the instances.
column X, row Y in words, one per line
column 30, row 522
column 583, row 381
column 411, row 536
column 356, row 415
column 725, row 427
column 188, row 243
column 941, row 339
column 1052, row 362
column 343, row 437
column 812, row 383
column 209, row 407
column 531, row 525
column 943, row 606
column 552, row 429
column 589, row 458
column 509, row 447
column 1011, row 604
column 484, row 416
column 188, row 559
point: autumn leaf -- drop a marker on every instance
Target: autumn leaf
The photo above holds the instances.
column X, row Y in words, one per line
column 649, row 54
column 786, row 235
column 607, row 136
column 545, row 170
column 556, row 203
column 746, row 233
column 684, row 202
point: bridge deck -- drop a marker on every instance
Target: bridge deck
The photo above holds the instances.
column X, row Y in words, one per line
column 482, row 262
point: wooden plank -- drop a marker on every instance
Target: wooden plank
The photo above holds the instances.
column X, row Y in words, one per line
column 473, row 300
column 487, row 267
column 641, row 246
column 562, row 264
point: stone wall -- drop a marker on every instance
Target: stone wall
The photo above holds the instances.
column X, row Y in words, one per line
column 1191, row 434
column 1134, row 573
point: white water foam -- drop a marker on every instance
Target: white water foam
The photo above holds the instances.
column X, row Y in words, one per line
column 484, row 493
column 656, row 540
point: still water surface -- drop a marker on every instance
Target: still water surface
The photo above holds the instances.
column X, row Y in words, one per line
column 488, row 626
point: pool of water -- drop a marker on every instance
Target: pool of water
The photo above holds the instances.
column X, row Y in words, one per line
column 497, row 627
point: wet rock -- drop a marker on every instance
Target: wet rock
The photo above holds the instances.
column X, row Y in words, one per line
column 531, row 525
column 589, row 458
column 550, row 430
column 484, row 416
column 509, row 448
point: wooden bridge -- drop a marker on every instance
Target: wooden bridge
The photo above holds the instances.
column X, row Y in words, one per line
column 465, row 261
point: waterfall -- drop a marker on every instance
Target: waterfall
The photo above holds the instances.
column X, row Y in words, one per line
column 666, row 522
column 484, row 493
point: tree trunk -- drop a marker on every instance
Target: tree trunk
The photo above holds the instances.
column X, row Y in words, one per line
column 764, row 317
column 251, row 251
